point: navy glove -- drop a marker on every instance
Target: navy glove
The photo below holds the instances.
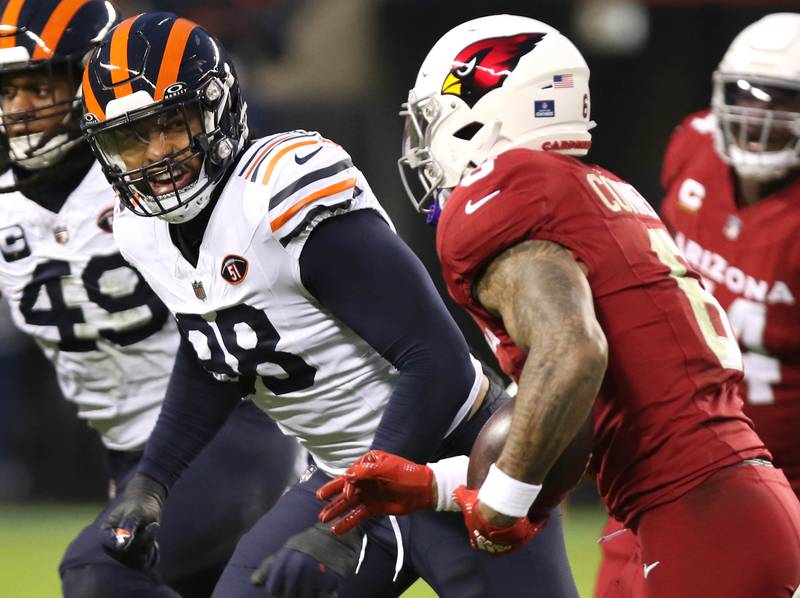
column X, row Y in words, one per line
column 128, row 533
column 312, row 564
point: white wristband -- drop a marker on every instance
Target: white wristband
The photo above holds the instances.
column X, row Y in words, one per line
column 450, row 473
column 506, row 495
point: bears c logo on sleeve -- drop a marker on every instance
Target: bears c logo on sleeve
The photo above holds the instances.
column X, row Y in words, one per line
column 484, row 65
column 234, row 269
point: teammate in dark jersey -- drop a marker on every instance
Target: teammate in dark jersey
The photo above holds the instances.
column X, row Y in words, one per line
column 582, row 293
column 732, row 208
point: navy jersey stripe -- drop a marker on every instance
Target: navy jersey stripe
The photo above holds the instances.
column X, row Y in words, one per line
column 307, row 179
column 261, row 160
column 273, row 139
column 287, row 238
column 254, row 154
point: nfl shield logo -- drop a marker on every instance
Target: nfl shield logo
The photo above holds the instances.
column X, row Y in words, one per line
column 61, row 234
column 732, row 227
column 199, row 291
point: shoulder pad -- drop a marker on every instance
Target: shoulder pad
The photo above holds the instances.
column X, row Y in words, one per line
column 305, row 177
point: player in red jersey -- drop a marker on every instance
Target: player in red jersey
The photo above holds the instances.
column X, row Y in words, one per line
column 732, row 182
column 557, row 261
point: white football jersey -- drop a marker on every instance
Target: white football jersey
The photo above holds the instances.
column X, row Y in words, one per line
column 110, row 339
column 246, row 311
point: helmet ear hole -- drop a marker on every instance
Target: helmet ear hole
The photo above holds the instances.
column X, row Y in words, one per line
column 467, row 132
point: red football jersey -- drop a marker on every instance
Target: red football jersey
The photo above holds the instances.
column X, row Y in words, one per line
column 668, row 414
column 750, row 259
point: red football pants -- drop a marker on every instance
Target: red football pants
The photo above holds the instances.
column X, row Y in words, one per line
column 736, row 535
column 620, row 563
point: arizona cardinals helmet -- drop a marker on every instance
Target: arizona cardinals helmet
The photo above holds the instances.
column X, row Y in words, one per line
column 155, row 73
column 51, row 37
column 756, row 99
column 487, row 86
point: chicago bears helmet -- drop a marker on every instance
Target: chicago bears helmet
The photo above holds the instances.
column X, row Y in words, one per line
column 756, row 99
column 153, row 75
column 50, row 37
column 487, row 86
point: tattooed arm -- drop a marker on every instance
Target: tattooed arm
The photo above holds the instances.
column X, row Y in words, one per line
column 543, row 298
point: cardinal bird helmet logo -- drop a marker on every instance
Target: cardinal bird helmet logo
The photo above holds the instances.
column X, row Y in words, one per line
column 484, row 65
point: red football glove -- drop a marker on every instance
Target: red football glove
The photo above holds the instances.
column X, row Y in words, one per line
column 485, row 536
column 378, row 484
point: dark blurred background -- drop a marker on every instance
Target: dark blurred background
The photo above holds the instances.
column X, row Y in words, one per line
column 343, row 67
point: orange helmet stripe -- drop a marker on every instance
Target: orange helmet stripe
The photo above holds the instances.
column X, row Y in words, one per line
column 9, row 19
column 326, row 192
column 56, row 26
column 173, row 53
column 119, row 58
column 92, row 105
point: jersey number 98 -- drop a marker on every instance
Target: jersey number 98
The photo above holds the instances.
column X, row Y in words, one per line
column 249, row 338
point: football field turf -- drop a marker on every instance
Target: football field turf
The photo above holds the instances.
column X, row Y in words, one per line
column 32, row 539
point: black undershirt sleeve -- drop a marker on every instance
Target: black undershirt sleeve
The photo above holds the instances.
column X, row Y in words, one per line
column 362, row 272
column 195, row 408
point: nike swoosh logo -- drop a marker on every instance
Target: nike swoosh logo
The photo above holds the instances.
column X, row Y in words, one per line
column 471, row 207
column 307, row 157
column 648, row 568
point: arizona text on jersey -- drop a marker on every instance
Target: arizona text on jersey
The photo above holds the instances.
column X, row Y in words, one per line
column 750, row 258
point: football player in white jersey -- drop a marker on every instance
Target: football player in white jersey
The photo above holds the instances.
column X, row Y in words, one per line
column 288, row 282
column 109, row 337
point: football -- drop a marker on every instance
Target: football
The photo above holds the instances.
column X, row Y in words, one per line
column 565, row 473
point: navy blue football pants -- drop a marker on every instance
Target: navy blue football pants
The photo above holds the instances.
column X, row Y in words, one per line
column 436, row 546
column 231, row 483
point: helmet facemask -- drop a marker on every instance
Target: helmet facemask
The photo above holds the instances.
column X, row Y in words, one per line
column 166, row 158
column 758, row 121
column 422, row 176
column 38, row 137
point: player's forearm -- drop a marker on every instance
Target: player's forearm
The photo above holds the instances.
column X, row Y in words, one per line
column 360, row 271
column 559, row 382
column 543, row 298
column 195, row 408
column 423, row 405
